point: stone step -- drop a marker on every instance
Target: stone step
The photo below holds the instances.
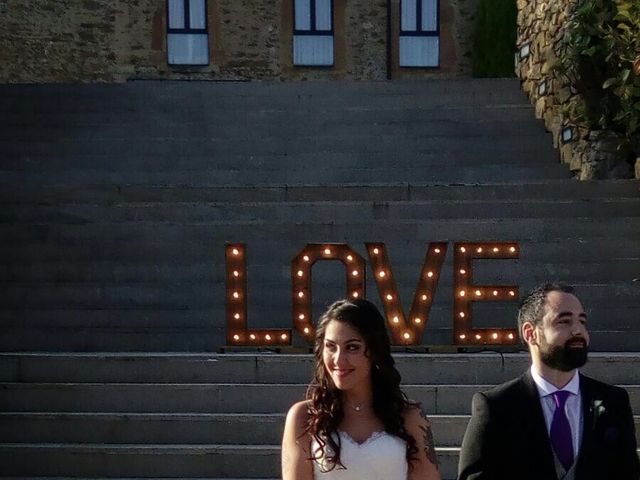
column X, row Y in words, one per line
column 316, row 114
column 70, row 242
column 140, row 460
column 212, row 338
column 198, row 106
column 57, row 263
column 178, row 428
column 164, row 162
column 213, row 122
column 32, row 164
column 155, row 460
column 152, row 245
column 269, row 368
column 197, row 295
column 144, row 88
column 51, row 273
column 236, row 128
column 389, row 192
column 299, row 212
column 160, row 428
column 344, row 143
column 621, row 318
column 211, row 398
column 135, row 428
column 114, row 461
column 354, row 232
column 171, row 97
column 431, row 174
column 117, row 339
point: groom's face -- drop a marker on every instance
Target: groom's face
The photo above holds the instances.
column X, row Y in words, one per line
column 562, row 336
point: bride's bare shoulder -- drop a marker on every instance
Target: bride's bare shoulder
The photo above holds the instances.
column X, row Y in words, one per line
column 298, row 414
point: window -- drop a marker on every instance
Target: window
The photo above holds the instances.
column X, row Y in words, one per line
column 187, row 35
column 419, row 33
column 313, row 32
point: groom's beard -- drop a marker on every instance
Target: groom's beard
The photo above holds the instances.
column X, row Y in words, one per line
column 567, row 357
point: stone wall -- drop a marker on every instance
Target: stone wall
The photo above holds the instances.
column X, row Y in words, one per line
column 541, row 29
column 118, row 40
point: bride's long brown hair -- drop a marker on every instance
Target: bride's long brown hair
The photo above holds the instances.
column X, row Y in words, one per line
column 324, row 400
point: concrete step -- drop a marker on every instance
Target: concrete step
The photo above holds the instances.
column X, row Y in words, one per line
column 211, row 398
column 343, row 143
column 140, row 460
column 223, row 461
column 354, row 232
column 146, row 88
column 155, row 460
column 151, row 246
column 621, row 318
column 174, row 428
column 46, row 194
column 278, row 117
column 131, row 164
column 299, row 212
column 116, row 339
column 207, row 302
column 55, row 272
column 59, row 266
column 71, row 262
column 236, row 128
column 269, row 368
column 178, row 428
column 198, row 106
column 434, row 174
column 491, row 119
column 211, row 338
column 135, row 428
column 195, row 294
column 171, row 97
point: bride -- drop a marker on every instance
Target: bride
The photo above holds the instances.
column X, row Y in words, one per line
column 356, row 422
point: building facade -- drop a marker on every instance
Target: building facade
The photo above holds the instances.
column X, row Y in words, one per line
column 120, row 40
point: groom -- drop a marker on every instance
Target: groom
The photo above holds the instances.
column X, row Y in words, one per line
column 552, row 422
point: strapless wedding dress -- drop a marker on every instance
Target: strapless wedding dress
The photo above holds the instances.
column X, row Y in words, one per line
column 381, row 457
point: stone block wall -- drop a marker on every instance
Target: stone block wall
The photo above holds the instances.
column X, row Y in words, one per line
column 44, row 41
column 541, row 29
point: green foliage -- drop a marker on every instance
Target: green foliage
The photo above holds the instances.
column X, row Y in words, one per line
column 598, row 57
column 494, row 38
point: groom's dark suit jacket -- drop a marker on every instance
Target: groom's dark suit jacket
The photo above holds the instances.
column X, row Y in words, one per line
column 507, row 438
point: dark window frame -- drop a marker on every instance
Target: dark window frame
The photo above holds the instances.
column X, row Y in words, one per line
column 313, row 22
column 187, row 30
column 419, row 32
column 187, row 19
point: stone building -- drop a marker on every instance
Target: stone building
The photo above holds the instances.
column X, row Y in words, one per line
column 119, row 40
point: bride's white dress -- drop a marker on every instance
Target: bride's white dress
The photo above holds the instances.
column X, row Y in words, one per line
column 381, row 457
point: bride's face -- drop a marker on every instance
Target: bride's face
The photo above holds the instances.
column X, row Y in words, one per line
column 344, row 356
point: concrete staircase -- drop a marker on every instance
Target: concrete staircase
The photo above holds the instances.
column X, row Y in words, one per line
column 212, row 416
column 246, row 134
column 116, row 202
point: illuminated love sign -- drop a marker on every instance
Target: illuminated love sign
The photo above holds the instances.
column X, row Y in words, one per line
column 404, row 329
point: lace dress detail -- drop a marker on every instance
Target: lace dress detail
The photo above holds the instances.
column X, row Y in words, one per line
column 380, row 457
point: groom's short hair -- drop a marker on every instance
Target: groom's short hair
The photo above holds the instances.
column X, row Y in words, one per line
column 532, row 305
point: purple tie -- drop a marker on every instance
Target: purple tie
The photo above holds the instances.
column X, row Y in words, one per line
column 560, row 433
